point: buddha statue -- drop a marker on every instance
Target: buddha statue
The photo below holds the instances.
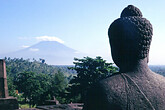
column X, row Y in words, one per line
column 135, row 86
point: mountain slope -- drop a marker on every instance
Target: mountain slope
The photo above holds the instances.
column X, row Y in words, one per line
column 53, row 52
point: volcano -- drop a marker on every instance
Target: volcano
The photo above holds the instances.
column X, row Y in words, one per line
column 52, row 52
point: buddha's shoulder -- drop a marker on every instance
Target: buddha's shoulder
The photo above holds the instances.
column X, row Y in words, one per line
column 158, row 77
column 157, row 80
column 105, row 91
column 113, row 89
column 114, row 83
column 114, row 80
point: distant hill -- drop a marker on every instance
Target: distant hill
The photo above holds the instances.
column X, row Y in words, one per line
column 160, row 69
column 53, row 52
column 15, row 66
column 18, row 65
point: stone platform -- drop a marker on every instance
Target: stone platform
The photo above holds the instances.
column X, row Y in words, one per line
column 72, row 106
column 9, row 103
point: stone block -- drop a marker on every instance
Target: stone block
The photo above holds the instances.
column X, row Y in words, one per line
column 9, row 103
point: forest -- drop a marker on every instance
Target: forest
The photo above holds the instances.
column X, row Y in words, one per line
column 33, row 81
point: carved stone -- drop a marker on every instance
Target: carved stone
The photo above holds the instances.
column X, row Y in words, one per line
column 3, row 80
column 135, row 87
column 6, row 102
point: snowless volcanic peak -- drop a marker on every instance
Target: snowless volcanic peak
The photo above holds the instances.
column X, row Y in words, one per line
column 53, row 52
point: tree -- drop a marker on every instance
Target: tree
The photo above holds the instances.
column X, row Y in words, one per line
column 37, row 88
column 28, row 84
column 58, row 85
column 37, row 81
column 89, row 71
column 42, row 60
column 11, row 86
column 45, row 84
column 17, row 65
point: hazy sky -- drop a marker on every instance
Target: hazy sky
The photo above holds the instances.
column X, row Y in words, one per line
column 79, row 24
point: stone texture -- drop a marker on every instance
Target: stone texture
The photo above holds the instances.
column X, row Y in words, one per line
column 59, row 107
column 9, row 103
column 3, row 88
column 6, row 102
column 3, row 80
column 130, row 36
column 131, row 10
column 135, row 86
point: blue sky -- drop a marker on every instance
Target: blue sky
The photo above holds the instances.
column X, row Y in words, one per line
column 79, row 24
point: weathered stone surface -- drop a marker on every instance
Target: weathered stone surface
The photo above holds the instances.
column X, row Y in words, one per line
column 3, row 80
column 9, row 103
column 58, row 107
column 6, row 102
column 135, row 87
column 131, row 11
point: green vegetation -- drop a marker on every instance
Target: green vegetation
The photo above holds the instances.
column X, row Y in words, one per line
column 89, row 71
column 37, row 88
column 17, row 65
column 36, row 81
column 24, row 106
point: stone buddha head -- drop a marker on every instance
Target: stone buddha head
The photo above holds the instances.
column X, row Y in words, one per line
column 130, row 37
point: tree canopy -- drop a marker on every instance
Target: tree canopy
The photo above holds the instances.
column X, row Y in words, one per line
column 38, row 81
column 37, row 88
column 89, row 71
column 18, row 65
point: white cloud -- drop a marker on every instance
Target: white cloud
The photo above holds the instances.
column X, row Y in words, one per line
column 34, row 49
column 49, row 38
column 25, row 46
